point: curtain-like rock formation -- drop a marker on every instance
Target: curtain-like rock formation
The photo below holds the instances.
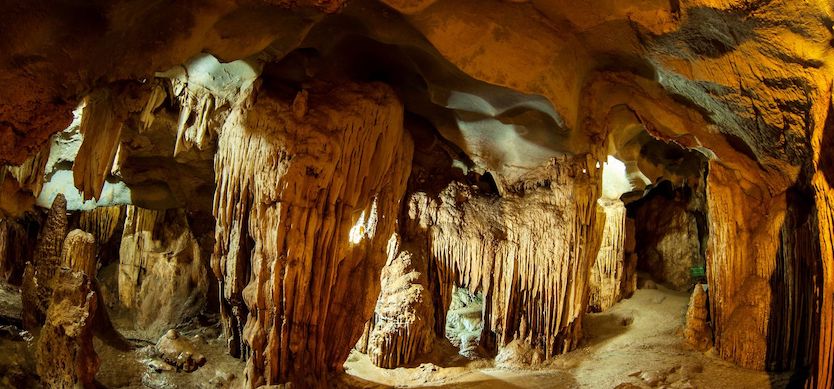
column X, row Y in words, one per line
column 529, row 253
column 610, row 272
column 163, row 278
column 761, row 260
column 17, row 244
column 307, row 194
column 823, row 183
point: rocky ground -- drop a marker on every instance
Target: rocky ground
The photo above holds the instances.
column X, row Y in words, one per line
column 636, row 344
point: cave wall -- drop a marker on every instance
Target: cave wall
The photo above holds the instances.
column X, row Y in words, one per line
column 668, row 236
column 762, row 265
column 822, row 143
column 307, row 194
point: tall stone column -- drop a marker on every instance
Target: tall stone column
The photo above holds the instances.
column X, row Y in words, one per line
column 306, row 201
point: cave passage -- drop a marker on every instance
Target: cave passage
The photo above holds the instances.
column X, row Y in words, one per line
column 435, row 193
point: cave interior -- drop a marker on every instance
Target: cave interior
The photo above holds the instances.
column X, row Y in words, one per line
column 417, row 193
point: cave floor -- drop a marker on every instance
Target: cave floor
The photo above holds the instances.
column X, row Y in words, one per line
column 637, row 343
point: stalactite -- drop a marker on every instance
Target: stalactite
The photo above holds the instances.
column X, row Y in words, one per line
column 30, row 173
column 529, row 252
column 37, row 278
column 312, row 198
column 197, row 123
column 160, row 261
column 102, row 222
column 609, row 271
column 101, row 127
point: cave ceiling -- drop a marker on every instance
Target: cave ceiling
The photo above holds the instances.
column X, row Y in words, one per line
column 510, row 83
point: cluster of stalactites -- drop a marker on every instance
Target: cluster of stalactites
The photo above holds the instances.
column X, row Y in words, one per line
column 529, row 253
column 291, row 187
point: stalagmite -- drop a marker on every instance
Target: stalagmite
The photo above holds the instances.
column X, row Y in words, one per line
column 610, row 270
column 65, row 354
column 697, row 333
column 529, row 252
column 37, row 278
column 162, row 275
column 403, row 323
column 304, row 210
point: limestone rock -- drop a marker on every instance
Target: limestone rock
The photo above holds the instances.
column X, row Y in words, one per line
column 403, row 323
column 510, row 248
column 178, row 351
column 306, row 207
column 65, row 354
column 668, row 241
column 610, row 272
column 163, row 275
column 697, row 332
column 37, row 279
column 17, row 243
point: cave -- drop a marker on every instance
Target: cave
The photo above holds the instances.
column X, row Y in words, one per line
column 428, row 193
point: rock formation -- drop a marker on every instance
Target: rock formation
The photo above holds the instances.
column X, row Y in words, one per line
column 511, row 249
column 309, row 188
column 402, row 327
column 65, row 354
column 37, row 278
column 286, row 121
column 669, row 239
column 697, row 333
column 610, row 272
column 163, row 277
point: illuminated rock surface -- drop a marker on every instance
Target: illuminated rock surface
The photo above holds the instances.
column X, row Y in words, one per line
column 243, row 165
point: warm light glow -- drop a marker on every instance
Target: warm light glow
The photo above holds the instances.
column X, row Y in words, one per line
column 364, row 228
column 614, row 179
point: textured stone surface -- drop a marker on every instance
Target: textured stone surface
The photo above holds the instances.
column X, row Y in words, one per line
column 610, row 272
column 65, row 354
column 403, row 324
column 37, row 277
column 512, row 250
column 668, row 240
column 163, row 274
column 309, row 188
column 697, row 332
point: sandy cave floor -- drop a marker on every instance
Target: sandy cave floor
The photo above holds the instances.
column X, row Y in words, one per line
column 636, row 342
